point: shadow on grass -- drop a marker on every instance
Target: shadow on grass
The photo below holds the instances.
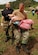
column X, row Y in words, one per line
column 1, row 52
column 31, row 43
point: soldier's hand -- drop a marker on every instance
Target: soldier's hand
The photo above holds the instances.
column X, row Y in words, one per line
column 1, row 24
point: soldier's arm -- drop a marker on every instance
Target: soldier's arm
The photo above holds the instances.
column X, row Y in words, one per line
column 18, row 19
column 11, row 15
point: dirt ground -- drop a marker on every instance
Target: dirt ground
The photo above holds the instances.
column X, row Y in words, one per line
column 32, row 45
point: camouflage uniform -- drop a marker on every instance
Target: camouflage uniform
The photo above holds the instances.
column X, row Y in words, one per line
column 6, row 21
column 17, row 33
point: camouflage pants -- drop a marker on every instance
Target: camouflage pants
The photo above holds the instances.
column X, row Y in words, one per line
column 17, row 36
column 8, row 29
column 23, row 38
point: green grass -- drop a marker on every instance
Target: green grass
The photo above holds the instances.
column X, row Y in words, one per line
column 33, row 33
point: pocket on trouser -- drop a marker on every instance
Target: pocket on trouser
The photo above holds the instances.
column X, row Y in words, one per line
column 25, row 37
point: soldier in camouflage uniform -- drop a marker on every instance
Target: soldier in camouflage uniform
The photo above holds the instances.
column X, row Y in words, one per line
column 17, row 33
column 5, row 20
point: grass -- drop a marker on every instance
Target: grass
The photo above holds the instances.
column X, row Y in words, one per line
column 33, row 33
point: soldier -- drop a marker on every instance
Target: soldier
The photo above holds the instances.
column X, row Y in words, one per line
column 5, row 20
column 21, row 15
